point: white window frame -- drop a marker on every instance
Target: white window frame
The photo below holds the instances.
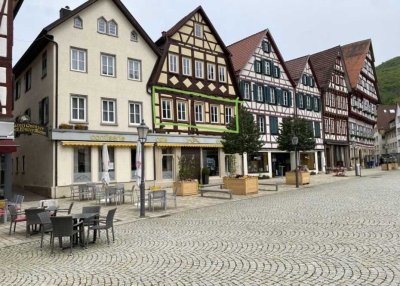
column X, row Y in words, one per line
column 78, row 98
column 166, row 106
column 134, row 69
column 214, row 113
column 308, row 102
column 285, row 98
column 134, row 36
column 198, row 30
column 211, row 71
column 222, row 73
column 181, row 111
column 261, row 124
column 228, row 114
column 99, row 21
column 199, row 69
column 246, row 90
column 267, row 67
column 173, row 63
column 273, row 95
column 199, row 112
column 108, row 64
column 78, row 23
column 78, row 60
column 186, row 66
column 109, row 111
column 109, row 28
column 301, row 101
column 260, row 93
column 134, row 113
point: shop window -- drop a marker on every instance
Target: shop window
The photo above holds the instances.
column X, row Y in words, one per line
column 82, row 165
column 211, row 161
column 258, row 163
column 111, row 164
column 167, row 164
column 308, row 159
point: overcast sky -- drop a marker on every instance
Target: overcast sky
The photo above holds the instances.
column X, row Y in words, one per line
column 299, row 27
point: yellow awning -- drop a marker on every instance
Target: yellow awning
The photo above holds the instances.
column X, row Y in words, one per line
column 193, row 145
column 99, row 144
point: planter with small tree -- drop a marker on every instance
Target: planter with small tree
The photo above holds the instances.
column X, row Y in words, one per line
column 247, row 140
column 187, row 184
column 205, row 174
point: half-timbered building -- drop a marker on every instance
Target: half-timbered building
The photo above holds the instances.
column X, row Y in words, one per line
column 194, row 97
column 267, row 91
column 308, row 106
column 331, row 74
column 359, row 60
column 8, row 10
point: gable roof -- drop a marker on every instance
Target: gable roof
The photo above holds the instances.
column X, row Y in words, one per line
column 354, row 55
column 244, row 49
column 297, row 66
column 323, row 63
column 44, row 38
column 385, row 116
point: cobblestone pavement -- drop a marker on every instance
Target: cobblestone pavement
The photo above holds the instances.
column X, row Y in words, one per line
column 341, row 233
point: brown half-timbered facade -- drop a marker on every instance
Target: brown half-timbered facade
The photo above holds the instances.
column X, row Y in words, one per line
column 359, row 60
column 194, row 96
column 308, row 106
column 267, row 92
column 332, row 77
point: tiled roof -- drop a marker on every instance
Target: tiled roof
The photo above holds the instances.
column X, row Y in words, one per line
column 244, row 49
column 354, row 55
column 296, row 67
column 386, row 113
column 323, row 63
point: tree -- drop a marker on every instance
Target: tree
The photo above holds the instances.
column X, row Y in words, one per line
column 247, row 140
column 300, row 128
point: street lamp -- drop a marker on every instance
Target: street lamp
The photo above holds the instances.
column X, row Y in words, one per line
column 354, row 155
column 142, row 130
column 295, row 141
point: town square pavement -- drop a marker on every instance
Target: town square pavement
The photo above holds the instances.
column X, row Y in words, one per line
column 342, row 232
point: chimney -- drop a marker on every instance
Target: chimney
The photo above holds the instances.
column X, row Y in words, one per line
column 64, row 11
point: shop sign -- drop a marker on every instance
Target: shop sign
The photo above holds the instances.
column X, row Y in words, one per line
column 30, row 128
column 107, row 138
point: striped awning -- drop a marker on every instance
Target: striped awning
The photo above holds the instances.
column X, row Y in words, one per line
column 99, row 144
column 8, row 146
column 190, row 145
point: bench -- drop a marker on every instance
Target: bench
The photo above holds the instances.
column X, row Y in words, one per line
column 215, row 189
column 275, row 185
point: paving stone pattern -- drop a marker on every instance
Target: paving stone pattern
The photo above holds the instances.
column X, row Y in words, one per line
column 342, row 233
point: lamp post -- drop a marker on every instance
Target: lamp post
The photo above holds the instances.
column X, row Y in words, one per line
column 295, row 141
column 142, row 130
column 354, row 155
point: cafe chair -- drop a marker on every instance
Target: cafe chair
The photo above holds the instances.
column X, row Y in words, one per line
column 104, row 224
column 68, row 210
column 15, row 217
column 32, row 219
column 17, row 202
column 45, row 226
column 63, row 226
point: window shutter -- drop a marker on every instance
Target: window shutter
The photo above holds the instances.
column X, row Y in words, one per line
column 297, row 100
column 311, row 81
column 263, row 71
column 317, row 128
column 311, row 126
column 264, row 46
column 279, row 96
column 316, row 104
column 307, row 80
column 273, row 121
column 269, row 47
column 267, row 94
column 241, row 88
column 46, row 103
column 289, row 98
column 255, row 91
column 278, row 72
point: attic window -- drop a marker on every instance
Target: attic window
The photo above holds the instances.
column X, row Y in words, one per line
column 102, row 26
column 78, row 23
column 112, row 28
column 134, row 36
column 266, row 47
column 198, row 30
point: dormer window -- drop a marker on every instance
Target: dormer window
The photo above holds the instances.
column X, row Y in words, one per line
column 112, row 28
column 78, row 23
column 198, row 30
column 134, row 36
column 102, row 26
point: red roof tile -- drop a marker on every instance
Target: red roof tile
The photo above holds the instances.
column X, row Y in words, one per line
column 296, row 67
column 323, row 63
column 385, row 116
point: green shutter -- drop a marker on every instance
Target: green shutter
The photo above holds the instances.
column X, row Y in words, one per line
column 312, row 102
column 241, row 88
column 273, row 121
column 255, row 91
column 279, row 96
column 307, row 80
column 311, row 81
column 317, row 128
column 263, row 66
column 267, row 94
column 278, row 72
column 289, row 98
column 297, row 100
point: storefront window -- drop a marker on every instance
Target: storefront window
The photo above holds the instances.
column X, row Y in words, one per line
column 308, row 159
column 167, row 164
column 230, row 165
column 82, row 165
column 258, row 163
column 111, row 165
column 210, row 157
column 133, row 163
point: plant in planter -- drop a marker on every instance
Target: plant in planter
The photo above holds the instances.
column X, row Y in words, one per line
column 81, row 127
column 187, row 184
column 205, row 174
column 65, row 126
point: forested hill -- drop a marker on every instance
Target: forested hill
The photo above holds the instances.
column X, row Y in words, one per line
column 389, row 81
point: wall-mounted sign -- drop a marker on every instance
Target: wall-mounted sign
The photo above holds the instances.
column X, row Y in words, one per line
column 107, row 138
column 30, row 128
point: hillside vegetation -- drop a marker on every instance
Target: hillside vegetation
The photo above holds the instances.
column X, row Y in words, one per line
column 389, row 81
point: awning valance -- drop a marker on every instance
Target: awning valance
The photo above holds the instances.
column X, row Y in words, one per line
column 192, row 145
column 99, row 144
column 8, row 146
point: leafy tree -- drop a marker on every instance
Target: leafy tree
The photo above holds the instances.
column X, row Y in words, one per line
column 388, row 74
column 299, row 127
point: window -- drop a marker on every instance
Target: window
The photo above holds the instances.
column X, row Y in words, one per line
column 167, row 163
column 111, row 162
column 257, row 162
column 134, row 36
column 266, row 47
column 135, row 113
column 222, row 74
column 272, row 95
column 173, row 63
column 317, row 128
column 182, row 113
column 198, row 30
column 44, row 111
column 78, row 108
column 277, row 72
column 308, row 102
column 210, row 71
column 78, row 60
column 285, row 98
column 300, row 99
column 257, row 66
column 304, row 79
column 78, row 23
column 102, row 26
column 108, row 111
column 260, row 93
column 211, row 160
column 267, row 67
column 186, row 66
column 166, row 109
column 246, row 90
column 214, row 113
column 28, row 80
column 17, row 89
column 44, row 64
column 199, row 112
column 134, row 69
column 199, row 67
column 273, row 122
column 108, row 65
column 261, row 124
column 228, row 114
column 316, row 104
column 112, row 28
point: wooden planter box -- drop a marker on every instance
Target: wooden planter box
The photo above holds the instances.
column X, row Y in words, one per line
column 242, row 186
column 389, row 166
column 186, row 188
column 304, row 178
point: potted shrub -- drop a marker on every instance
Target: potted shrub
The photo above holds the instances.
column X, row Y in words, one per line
column 187, row 185
column 205, row 174
column 81, row 127
column 65, row 126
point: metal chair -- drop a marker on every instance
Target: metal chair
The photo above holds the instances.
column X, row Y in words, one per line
column 45, row 226
column 130, row 193
column 17, row 202
column 68, row 210
column 172, row 196
column 120, row 192
column 158, row 196
column 91, row 189
column 74, row 191
column 32, row 219
column 15, row 217
column 105, row 225
column 63, row 226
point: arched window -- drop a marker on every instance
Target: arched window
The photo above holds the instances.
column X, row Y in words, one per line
column 112, row 28
column 78, row 22
column 134, row 36
column 102, row 25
